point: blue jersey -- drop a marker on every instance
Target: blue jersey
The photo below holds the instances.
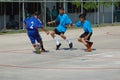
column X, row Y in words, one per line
column 32, row 23
column 85, row 25
column 63, row 21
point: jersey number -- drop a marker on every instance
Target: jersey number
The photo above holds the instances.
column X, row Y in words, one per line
column 32, row 26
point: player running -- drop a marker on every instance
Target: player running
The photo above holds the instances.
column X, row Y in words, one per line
column 85, row 37
column 60, row 30
column 32, row 25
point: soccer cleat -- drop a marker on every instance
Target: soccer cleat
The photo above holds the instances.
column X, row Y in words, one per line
column 43, row 50
column 58, row 46
column 71, row 45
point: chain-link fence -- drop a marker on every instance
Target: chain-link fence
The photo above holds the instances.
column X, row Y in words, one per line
column 13, row 12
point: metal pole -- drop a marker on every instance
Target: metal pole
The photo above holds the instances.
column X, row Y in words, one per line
column 98, row 14
column 45, row 13
column 64, row 4
column 4, row 17
column 82, row 6
column 23, row 10
column 112, row 11
column 103, row 14
column 19, row 15
column 95, row 14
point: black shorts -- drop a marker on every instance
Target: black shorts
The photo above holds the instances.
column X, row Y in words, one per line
column 85, row 34
column 57, row 32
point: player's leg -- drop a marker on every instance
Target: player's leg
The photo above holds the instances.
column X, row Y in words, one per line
column 82, row 39
column 32, row 39
column 88, row 40
column 84, row 42
column 42, row 46
column 39, row 40
column 53, row 34
column 65, row 38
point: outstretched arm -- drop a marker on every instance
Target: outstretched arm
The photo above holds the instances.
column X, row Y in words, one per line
column 47, row 32
column 51, row 22
column 56, row 20
column 70, row 25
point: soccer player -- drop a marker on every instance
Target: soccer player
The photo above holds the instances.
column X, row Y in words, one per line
column 60, row 30
column 85, row 37
column 32, row 25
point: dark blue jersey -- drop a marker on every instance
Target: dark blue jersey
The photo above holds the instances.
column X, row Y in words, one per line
column 33, row 23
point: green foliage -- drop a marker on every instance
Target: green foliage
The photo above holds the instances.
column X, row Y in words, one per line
column 93, row 5
column 90, row 5
column 106, row 4
column 78, row 4
column 116, row 3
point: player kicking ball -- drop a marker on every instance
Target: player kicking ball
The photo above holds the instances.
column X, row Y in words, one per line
column 32, row 25
column 85, row 37
column 60, row 30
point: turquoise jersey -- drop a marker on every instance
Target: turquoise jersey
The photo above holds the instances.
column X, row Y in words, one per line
column 63, row 21
column 85, row 25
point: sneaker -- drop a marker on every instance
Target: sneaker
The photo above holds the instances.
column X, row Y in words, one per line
column 43, row 50
column 37, row 50
column 58, row 46
column 71, row 45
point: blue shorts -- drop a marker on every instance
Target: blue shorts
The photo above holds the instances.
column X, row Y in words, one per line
column 34, row 36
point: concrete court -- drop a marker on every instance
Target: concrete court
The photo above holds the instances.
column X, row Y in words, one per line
column 18, row 62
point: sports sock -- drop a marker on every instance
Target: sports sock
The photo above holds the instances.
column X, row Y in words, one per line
column 56, row 40
column 68, row 41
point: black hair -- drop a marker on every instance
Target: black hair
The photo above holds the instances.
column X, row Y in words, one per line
column 61, row 8
column 82, row 16
column 36, row 13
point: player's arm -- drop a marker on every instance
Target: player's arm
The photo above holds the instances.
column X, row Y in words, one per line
column 51, row 22
column 54, row 21
column 46, row 31
column 70, row 25
column 77, row 24
column 39, row 24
